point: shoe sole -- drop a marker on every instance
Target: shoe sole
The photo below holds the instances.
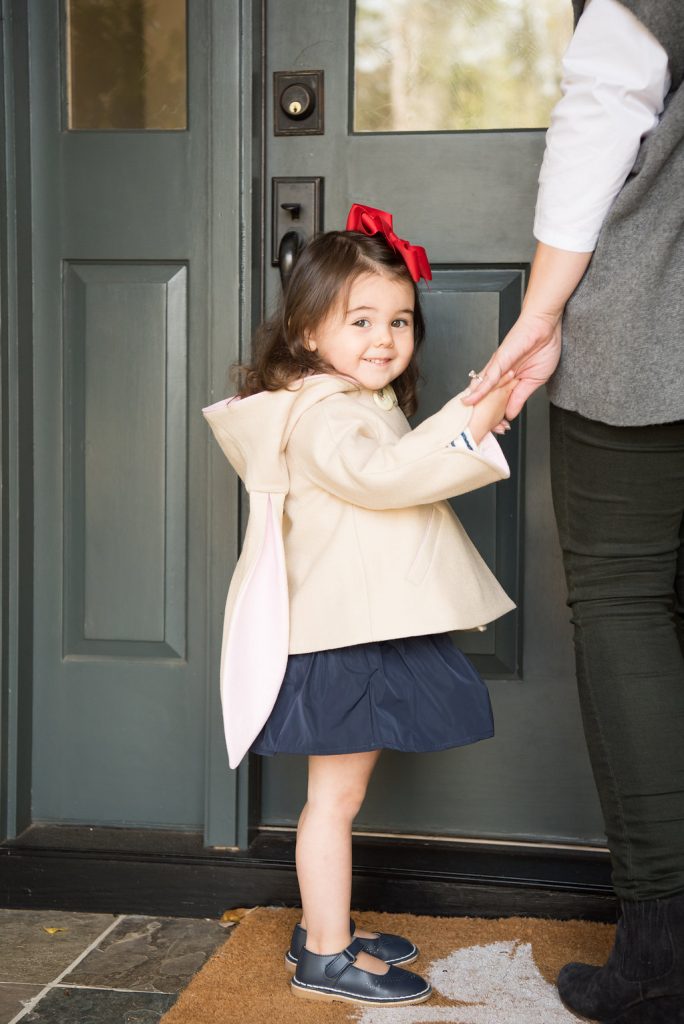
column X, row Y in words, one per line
column 292, row 967
column 330, row 997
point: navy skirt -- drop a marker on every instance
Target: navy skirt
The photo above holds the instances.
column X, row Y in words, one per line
column 417, row 693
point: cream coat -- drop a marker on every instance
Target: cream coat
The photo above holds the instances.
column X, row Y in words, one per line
column 350, row 538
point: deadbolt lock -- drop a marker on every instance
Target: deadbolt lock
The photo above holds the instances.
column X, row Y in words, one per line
column 298, row 103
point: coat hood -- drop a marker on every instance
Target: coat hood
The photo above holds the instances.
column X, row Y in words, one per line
column 253, row 433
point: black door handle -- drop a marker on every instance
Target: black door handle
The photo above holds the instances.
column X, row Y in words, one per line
column 290, row 246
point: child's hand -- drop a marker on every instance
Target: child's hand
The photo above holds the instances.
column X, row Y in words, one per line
column 489, row 412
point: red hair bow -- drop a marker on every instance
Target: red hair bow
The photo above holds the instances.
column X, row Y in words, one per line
column 370, row 221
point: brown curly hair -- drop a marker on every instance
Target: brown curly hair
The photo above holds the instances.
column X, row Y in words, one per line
column 321, row 278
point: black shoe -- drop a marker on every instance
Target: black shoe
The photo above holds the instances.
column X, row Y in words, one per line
column 333, row 976
column 643, row 980
column 393, row 949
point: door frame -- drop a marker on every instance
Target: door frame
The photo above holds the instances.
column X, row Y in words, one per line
column 16, row 431
column 231, row 795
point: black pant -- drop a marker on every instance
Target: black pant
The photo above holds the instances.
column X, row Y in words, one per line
column 619, row 499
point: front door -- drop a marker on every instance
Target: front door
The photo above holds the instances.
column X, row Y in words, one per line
column 141, row 228
column 433, row 111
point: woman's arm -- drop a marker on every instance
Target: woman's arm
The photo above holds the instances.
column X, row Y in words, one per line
column 533, row 345
column 615, row 78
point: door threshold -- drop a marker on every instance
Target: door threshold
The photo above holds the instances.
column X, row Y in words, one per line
column 148, row 871
column 430, row 837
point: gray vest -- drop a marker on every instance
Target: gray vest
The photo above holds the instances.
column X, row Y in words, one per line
column 623, row 329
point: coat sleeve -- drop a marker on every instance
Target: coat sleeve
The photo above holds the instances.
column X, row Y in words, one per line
column 337, row 448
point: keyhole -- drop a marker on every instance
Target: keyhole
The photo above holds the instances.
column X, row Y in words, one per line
column 297, row 101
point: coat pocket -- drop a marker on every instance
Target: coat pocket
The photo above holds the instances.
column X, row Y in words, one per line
column 426, row 549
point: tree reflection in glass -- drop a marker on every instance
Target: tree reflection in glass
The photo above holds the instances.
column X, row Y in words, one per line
column 449, row 65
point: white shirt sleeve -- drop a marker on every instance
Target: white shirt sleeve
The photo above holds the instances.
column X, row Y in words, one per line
column 615, row 80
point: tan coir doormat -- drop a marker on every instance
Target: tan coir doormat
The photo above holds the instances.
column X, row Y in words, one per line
column 482, row 972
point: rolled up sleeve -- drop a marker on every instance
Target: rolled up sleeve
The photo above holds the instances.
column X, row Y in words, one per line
column 615, row 79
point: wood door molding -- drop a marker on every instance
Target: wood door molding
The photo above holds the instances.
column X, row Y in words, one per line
column 153, row 872
column 16, row 419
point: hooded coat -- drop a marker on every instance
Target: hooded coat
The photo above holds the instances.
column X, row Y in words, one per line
column 350, row 538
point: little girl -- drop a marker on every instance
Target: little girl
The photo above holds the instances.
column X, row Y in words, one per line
column 353, row 571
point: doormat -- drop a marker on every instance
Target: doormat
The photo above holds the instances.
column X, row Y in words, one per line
column 481, row 971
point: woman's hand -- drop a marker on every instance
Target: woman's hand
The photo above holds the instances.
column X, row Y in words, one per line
column 533, row 345
column 488, row 414
column 532, row 348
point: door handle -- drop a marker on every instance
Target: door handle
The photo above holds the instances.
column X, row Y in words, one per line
column 290, row 246
column 297, row 205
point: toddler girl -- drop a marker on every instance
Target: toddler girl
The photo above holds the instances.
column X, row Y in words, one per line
column 353, row 571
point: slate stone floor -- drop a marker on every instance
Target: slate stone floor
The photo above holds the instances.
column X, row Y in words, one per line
column 97, row 968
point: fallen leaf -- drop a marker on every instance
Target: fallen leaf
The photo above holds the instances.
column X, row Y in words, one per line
column 231, row 917
column 53, row 931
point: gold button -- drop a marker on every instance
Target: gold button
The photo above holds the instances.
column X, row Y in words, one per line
column 385, row 398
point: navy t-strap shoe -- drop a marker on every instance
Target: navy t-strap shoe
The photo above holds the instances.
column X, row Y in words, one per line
column 393, row 949
column 333, row 976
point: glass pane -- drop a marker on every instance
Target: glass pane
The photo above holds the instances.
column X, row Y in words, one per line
column 436, row 65
column 127, row 64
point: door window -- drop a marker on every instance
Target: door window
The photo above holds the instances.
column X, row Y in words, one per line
column 126, row 64
column 436, row 65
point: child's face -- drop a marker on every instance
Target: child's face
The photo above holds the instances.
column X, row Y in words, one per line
column 372, row 339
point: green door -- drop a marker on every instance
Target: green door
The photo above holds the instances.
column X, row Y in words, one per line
column 468, row 196
column 136, row 201
column 147, row 261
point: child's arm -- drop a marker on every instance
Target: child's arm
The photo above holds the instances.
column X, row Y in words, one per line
column 491, row 410
column 336, row 447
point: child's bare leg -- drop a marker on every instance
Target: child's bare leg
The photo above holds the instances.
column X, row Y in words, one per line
column 336, row 789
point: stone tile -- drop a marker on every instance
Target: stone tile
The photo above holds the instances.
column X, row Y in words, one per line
column 29, row 954
column 13, row 998
column 63, row 1005
column 151, row 954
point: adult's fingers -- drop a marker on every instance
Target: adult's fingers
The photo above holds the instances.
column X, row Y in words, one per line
column 520, row 394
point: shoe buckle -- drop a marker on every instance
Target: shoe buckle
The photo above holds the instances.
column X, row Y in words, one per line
column 341, row 962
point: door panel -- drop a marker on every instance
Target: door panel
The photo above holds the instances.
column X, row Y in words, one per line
column 463, row 306
column 125, row 459
column 469, row 198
